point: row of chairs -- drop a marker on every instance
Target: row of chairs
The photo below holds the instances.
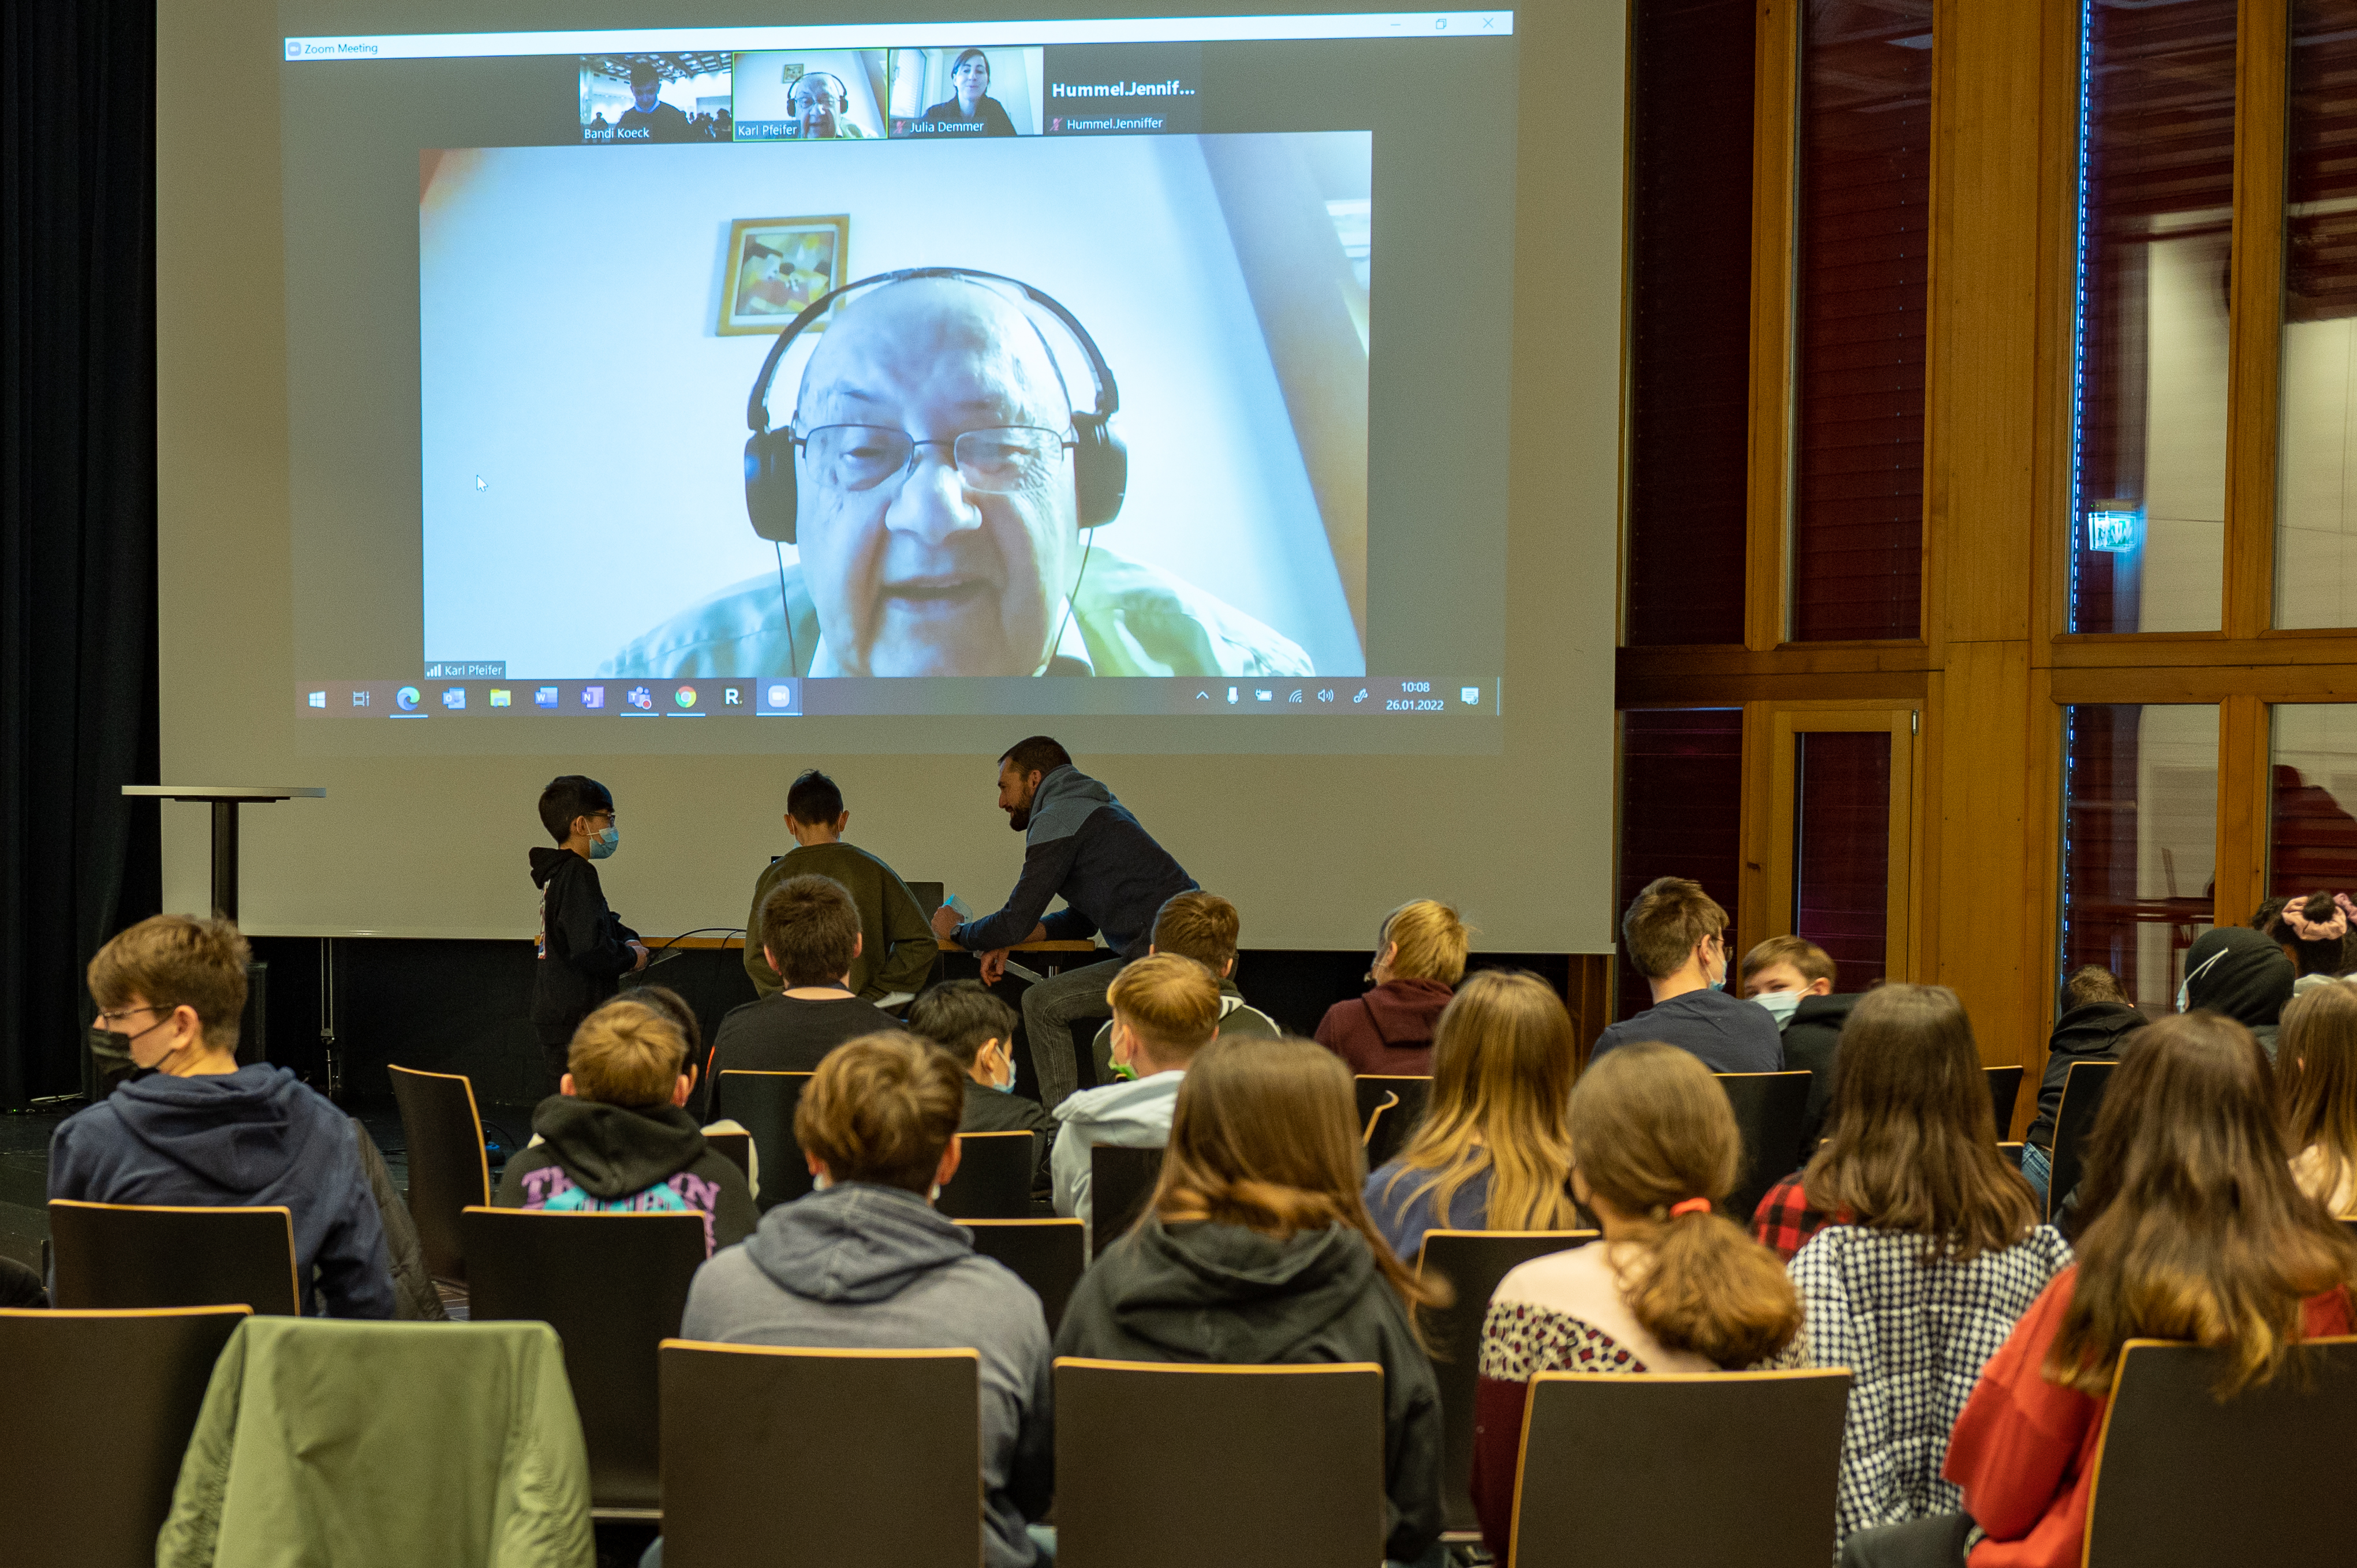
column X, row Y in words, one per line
column 1258, row 1465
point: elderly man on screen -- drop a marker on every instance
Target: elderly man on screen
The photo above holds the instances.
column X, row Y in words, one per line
column 939, row 527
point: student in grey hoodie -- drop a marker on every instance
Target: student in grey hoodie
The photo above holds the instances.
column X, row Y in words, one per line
column 1257, row 1250
column 864, row 1262
column 1165, row 1009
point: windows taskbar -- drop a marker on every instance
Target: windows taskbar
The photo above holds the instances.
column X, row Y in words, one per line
column 495, row 695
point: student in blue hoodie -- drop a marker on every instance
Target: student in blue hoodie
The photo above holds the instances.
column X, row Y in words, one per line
column 864, row 1262
column 194, row 1128
column 1082, row 845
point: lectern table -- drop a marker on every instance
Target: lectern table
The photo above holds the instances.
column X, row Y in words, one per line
column 225, row 799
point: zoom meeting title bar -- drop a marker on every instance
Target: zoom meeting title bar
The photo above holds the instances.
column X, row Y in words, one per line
column 908, row 35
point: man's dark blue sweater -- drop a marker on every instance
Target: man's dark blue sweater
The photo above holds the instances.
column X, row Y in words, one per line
column 1083, row 845
column 242, row 1139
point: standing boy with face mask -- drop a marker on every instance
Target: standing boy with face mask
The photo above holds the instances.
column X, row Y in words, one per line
column 965, row 1019
column 584, row 950
column 196, row 1129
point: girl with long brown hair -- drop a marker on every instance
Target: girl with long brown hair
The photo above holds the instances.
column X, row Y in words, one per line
column 1257, row 1248
column 1672, row 1286
column 2316, row 1072
column 1923, row 1247
column 2194, row 1230
column 1493, row 1151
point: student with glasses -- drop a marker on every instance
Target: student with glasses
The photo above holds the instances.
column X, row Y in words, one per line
column 1677, row 936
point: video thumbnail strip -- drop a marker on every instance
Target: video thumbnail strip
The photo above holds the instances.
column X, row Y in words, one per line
column 874, row 94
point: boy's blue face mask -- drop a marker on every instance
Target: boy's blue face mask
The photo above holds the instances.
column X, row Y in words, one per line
column 603, row 844
column 1780, row 1004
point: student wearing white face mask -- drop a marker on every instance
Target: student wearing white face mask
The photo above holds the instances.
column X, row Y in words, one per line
column 1794, row 979
column 976, row 1029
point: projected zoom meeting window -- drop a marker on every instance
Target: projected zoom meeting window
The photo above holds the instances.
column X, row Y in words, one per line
column 789, row 371
column 941, row 468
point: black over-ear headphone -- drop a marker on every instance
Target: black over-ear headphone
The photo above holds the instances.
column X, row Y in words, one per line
column 1100, row 461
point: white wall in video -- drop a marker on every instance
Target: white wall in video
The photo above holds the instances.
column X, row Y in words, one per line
column 592, row 326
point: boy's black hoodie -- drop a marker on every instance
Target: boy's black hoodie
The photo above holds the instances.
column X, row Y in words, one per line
column 584, row 950
column 1226, row 1294
column 255, row 1137
column 602, row 1157
column 2091, row 1033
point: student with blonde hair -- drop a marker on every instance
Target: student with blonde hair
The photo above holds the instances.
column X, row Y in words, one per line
column 1256, row 1249
column 1419, row 958
column 864, row 1262
column 1165, row 1009
column 1672, row 1286
column 1493, row 1153
column 2192, row 1228
column 617, row 1138
column 2317, row 1078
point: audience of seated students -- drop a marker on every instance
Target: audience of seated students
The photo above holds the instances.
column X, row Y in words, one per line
column 198, row 1129
column 978, row 1031
column 896, row 946
column 617, row 1138
column 1933, row 1251
column 1256, row 1250
column 1165, row 1009
column 2316, row 1078
column 2314, row 930
column 810, row 930
column 2192, row 1229
column 1491, row 1153
column 1676, row 935
column 1205, row 928
column 2096, row 1020
column 1419, row 958
column 1672, row 1287
column 2241, row 974
column 864, row 1262
column 1794, row 979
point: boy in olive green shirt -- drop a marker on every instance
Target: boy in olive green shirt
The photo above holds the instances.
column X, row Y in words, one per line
column 897, row 947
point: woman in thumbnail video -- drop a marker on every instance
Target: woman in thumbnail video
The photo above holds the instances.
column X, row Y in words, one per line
column 971, row 77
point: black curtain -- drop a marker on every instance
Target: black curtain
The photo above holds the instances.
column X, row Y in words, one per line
column 78, row 690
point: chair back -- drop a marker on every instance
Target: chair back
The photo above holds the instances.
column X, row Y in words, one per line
column 1120, row 1182
column 2181, row 1479
column 1287, row 1459
column 765, row 1102
column 1049, row 1256
column 2010, row 1154
column 2005, row 1093
column 124, row 1256
column 896, row 1435
column 613, row 1286
column 1771, row 1109
column 449, row 1170
column 1643, row 1442
column 1390, row 1108
column 1472, row 1261
column 993, row 1176
column 2074, row 1120
column 101, row 1404
column 736, row 1148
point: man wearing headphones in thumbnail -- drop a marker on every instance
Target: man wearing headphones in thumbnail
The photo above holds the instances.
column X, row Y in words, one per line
column 939, row 480
column 821, row 103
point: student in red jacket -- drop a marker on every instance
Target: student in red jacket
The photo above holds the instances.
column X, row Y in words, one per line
column 2194, row 1230
column 1419, row 958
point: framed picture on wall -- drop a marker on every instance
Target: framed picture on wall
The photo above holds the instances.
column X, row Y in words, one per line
column 775, row 266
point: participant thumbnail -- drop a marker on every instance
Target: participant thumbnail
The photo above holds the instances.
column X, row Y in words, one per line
column 1098, row 405
column 966, row 91
column 809, row 95
column 656, row 98
column 1124, row 89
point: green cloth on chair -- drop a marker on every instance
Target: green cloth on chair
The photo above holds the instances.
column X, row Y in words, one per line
column 383, row 1445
